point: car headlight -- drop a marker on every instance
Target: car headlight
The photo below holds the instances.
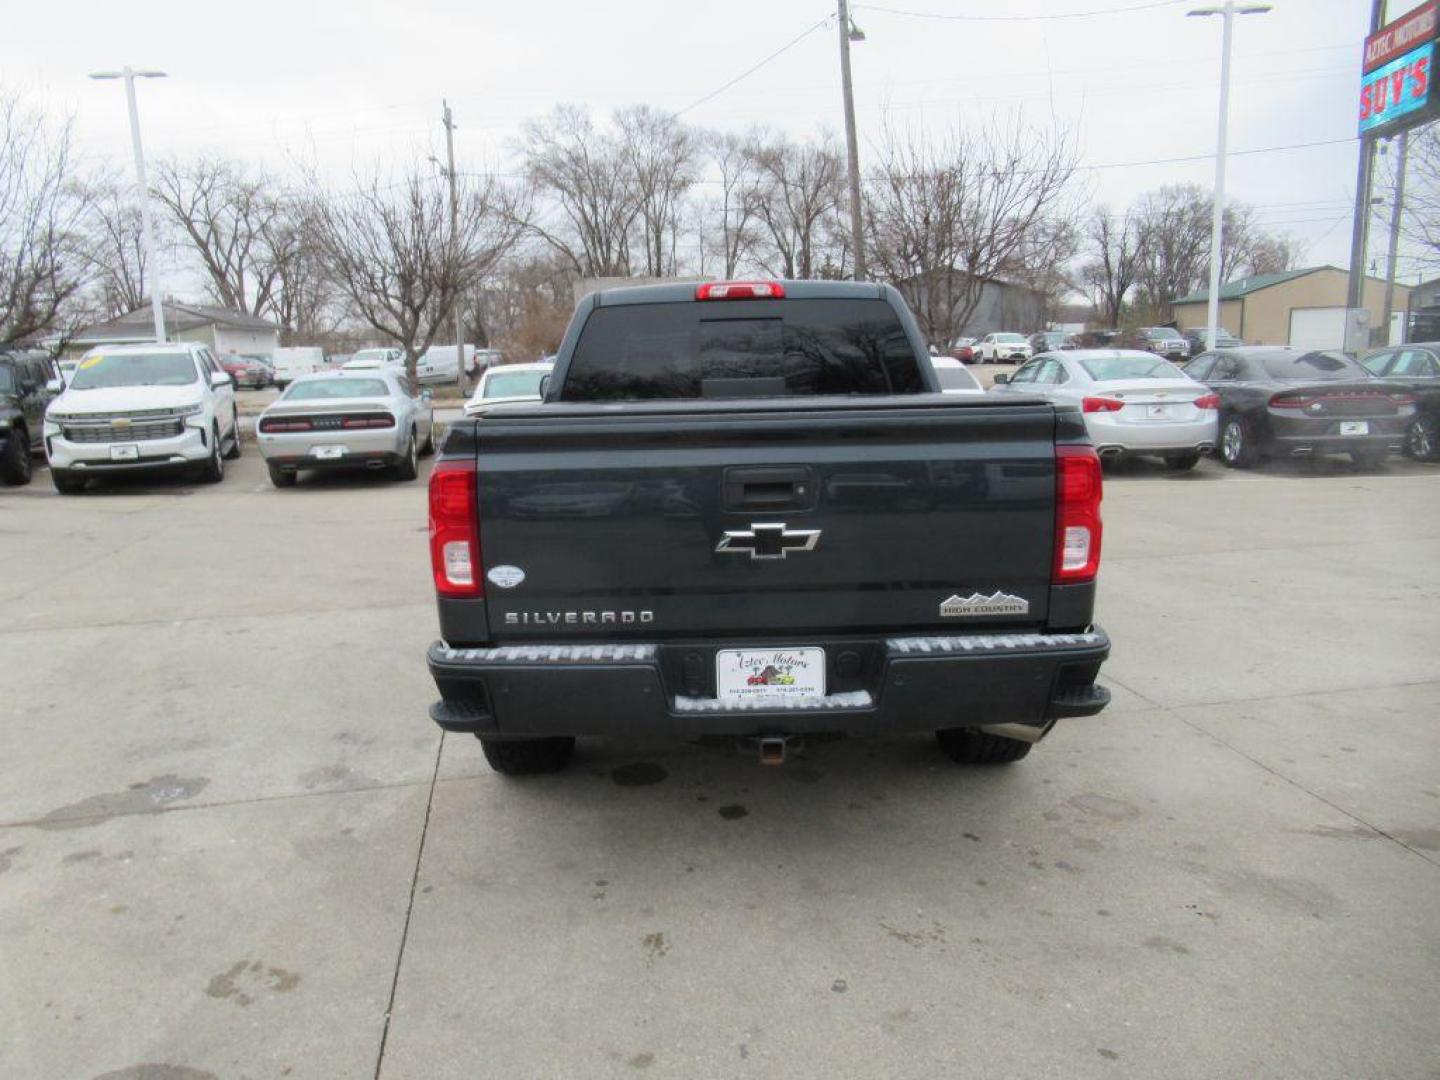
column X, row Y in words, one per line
column 188, row 410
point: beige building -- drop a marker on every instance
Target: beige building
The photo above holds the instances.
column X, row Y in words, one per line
column 223, row 330
column 1294, row 307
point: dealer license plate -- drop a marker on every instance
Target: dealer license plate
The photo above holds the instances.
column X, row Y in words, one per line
column 748, row 674
column 1354, row 427
column 128, row 452
column 1157, row 412
column 327, row 453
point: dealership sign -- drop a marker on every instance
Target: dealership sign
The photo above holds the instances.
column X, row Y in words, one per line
column 1397, row 85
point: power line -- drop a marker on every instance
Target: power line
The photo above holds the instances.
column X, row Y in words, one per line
column 1020, row 18
column 751, row 70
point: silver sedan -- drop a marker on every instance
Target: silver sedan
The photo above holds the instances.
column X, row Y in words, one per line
column 346, row 419
column 1133, row 402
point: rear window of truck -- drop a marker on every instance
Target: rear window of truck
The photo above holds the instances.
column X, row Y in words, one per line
column 784, row 348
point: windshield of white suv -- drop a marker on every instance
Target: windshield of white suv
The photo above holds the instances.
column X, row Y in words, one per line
column 318, row 389
column 514, row 384
column 1009, row 338
column 134, row 369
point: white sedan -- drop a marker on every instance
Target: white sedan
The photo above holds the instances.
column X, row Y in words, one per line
column 346, row 419
column 999, row 347
column 955, row 377
column 506, row 383
column 1133, row 402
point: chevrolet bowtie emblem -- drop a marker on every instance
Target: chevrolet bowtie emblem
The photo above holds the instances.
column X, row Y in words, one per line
column 768, row 541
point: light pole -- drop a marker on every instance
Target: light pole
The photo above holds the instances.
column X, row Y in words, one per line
column 142, row 189
column 1396, row 210
column 850, row 32
column 1227, row 12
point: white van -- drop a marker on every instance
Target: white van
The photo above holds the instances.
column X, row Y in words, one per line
column 296, row 361
column 437, row 364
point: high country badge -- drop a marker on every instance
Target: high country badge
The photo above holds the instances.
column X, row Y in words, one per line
column 978, row 605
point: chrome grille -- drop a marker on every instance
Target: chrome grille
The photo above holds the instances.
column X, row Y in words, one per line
column 107, row 431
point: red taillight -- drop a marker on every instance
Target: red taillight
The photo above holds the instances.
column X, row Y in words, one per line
column 1292, row 401
column 380, row 420
column 270, row 424
column 1209, row 401
column 740, row 290
column 455, row 530
column 1078, row 491
column 1102, row 404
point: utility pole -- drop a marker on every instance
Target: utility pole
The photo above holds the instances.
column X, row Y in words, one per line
column 1227, row 12
column 142, row 188
column 1396, row 209
column 455, row 243
column 848, row 33
column 1360, row 224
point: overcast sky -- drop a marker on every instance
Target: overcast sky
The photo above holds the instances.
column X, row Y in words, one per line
column 345, row 84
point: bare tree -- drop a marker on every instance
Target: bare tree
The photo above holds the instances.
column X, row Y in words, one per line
column 734, row 210
column 117, row 250
column 1420, row 220
column 303, row 300
column 800, row 188
column 226, row 213
column 592, row 182
column 44, row 256
column 1108, row 275
column 946, row 216
column 389, row 249
column 662, row 155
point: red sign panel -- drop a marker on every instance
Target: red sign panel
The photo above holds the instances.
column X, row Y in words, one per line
column 1403, row 35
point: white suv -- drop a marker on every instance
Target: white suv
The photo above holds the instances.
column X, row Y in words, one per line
column 1001, row 347
column 142, row 407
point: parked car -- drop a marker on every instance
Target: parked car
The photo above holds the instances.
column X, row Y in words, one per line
column 346, row 420
column 1043, row 341
column 375, row 360
column 1160, row 340
column 28, row 383
column 1134, row 403
column 289, row 363
column 437, row 364
column 507, row 383
column 1096, row 339
column 1417, row 367
column 714, row 471
column 142, row 408
column 1001, row 347
column 955, row 377
column 1276, row 399
column 1198, row 340
column 251, row 371
column 963, row 349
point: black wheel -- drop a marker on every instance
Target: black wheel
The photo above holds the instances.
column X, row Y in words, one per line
column 15, row 465
column 1182, row 462
column 234, row 451
column 67, row 483
column 971, row 747
column 282, row 478
column 1237, row 449
column 1372, row 457
column 409, row 465
column 213, row 471
column 1422, row 441
column 527, row 757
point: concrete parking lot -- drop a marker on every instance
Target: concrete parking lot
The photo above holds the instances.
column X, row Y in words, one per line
column 232, row 845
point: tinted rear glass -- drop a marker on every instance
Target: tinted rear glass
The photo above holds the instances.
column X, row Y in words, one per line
column 1130, row 367
column 321, row 389
column 1313, row 366
column 742, row 348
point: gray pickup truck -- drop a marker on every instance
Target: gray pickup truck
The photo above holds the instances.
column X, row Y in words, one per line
column 744, row 509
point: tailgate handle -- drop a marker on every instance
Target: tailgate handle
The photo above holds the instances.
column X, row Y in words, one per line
column 770, row 487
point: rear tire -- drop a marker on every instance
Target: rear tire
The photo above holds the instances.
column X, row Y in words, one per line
column 213, row 471
column 1236, row 444
column 15, row 466
column 408, row 467
column 1371, row 457
column 234, row 451
column 528, row 757
column 282, row 478
column 67, row 483
column 971, row 747
column 1182, row 462
column 1422, row 441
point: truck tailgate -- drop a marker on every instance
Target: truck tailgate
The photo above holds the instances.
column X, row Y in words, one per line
column 711, row 519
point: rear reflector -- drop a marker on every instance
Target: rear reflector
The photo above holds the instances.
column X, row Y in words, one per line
column 1101, row 404
column 740, row 290
column 1078, row 491
column 375, row 420
column 270, row 424
column 455, row 530
column 1209, row 401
